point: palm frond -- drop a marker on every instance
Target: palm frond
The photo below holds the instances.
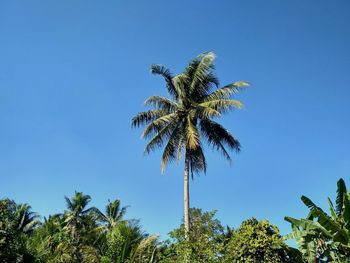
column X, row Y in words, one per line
column 192, row 134
column 172, row 147
column 217, row 135
column 181, row 83
column 145, row 117
column 68, row 203
column 214, row 140
column 160, row 102
column 158, row 139
column 222, row 105
column 208, row 83
column 197, row 162
column 157, row 125
column 227, row 91
column 198, row 70
column 206, row 112
column 166, row 74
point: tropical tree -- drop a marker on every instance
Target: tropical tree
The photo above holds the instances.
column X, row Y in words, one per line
column 25, row 219
column 205, row 241
column 17, row 222
column 259, row 241
column 126, row 242
column 113, row 214
column 184, row 120
column 311, row 238
column 80, row 223
column 78, row 216
column 322, row 236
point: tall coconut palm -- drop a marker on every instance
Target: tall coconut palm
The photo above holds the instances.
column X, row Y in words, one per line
column 184, row 120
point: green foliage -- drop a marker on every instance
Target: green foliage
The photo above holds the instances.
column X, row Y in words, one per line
column 204, row 242
column 209, row 241
column 83, row 234
column 258, row 241
column 69, row 237
column 122, row 239
column 113, row 214
column 321, row 236
column 17, row 222
column 79, row 235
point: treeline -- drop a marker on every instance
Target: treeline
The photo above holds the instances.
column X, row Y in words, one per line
column 83, row 233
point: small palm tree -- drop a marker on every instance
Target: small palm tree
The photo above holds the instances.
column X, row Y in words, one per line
column 80, row 224
column 79, row 220
column 113, row 214
column 182, row 121
column 25, row 219
column 77, row 211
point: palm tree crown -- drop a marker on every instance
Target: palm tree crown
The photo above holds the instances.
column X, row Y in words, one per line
column 182, row 121
column 114, row 214
column 25, row 219
column 78, row 216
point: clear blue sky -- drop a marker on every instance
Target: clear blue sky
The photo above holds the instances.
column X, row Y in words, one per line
column 73, row 73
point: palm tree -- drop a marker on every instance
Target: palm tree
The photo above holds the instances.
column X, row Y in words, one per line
column 25, row 219
column 77, row 212
column 182, row 121
column 80, row 224
column 113, row 213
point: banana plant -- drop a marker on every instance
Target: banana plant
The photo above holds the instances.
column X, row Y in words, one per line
column 323, row 236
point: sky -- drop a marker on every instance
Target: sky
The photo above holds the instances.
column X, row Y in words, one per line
column 74, row 73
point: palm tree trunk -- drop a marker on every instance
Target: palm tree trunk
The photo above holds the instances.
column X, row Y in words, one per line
column 186, row 198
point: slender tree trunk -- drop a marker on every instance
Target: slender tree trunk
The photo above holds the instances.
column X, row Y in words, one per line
column 186, row 198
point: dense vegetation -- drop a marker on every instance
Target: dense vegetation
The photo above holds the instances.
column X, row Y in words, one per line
column 83, row 233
